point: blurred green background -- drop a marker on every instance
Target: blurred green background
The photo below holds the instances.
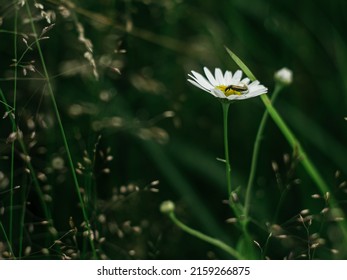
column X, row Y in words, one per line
column 136, row 120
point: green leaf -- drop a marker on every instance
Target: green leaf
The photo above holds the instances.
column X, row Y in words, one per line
column 240, row 63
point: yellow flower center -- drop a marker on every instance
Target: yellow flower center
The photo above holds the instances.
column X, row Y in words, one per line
column 228, row 91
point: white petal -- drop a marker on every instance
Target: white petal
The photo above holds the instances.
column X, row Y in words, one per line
column 210, row 77
column 259, row 92
column 245, row 81
column 256, row 88
column 198, row 85
column 219, row 76
column 228, row 77
column 201, row 80
column 248, row 95
column 237, row 77
column 218, row 93
column 235, row 97
column 254, row 83
column 254, row 94
column 239, row 97
column 213, row 93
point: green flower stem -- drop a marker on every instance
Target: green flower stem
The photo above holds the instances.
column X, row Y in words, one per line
column 7, row 240
column 62, row 131
column 219, row 244
column 256, row 149
column 234, row 207
column 225, row 107
column 13, row 126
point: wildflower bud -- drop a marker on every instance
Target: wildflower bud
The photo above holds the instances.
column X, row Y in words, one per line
column 167, row 207
column 334, row 251
column 284, row 76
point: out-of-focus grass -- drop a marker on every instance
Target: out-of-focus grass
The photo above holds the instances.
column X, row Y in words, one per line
column 163, row 42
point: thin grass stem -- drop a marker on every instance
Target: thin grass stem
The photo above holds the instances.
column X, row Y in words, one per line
column 62, row 131
column 256, row 149
column 13, row 128
column 21, row 229
column 7, row 240
column 219, row 244
column 33, row 177
column 28, row 161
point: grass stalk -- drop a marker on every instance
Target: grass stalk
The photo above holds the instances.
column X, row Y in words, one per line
column 217, row 243
column 256, row 149
column 35, row 182
column 21, row 229
column 13, row 127
column 28, row 162
column 62, row 131
column 7, row 240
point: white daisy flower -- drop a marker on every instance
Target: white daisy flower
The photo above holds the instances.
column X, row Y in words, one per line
column 227, row 86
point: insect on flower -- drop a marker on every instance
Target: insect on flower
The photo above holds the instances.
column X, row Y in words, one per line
column 227, row 86
column 242, row 88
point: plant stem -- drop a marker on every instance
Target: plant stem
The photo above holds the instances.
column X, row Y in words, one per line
column 225, row 107
column 206, row 238
column 28, row 162
column 8, row 242
column 13, row 126
column 255, row 155
column 234, row 207
column 21, row 230
column 62, row 131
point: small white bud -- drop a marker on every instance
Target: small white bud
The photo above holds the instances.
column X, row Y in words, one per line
column 167, row 207
column 284, row 76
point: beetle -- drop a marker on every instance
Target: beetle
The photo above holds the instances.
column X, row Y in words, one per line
column 242, row 88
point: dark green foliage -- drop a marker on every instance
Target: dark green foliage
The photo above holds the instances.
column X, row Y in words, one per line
column 133, row 119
